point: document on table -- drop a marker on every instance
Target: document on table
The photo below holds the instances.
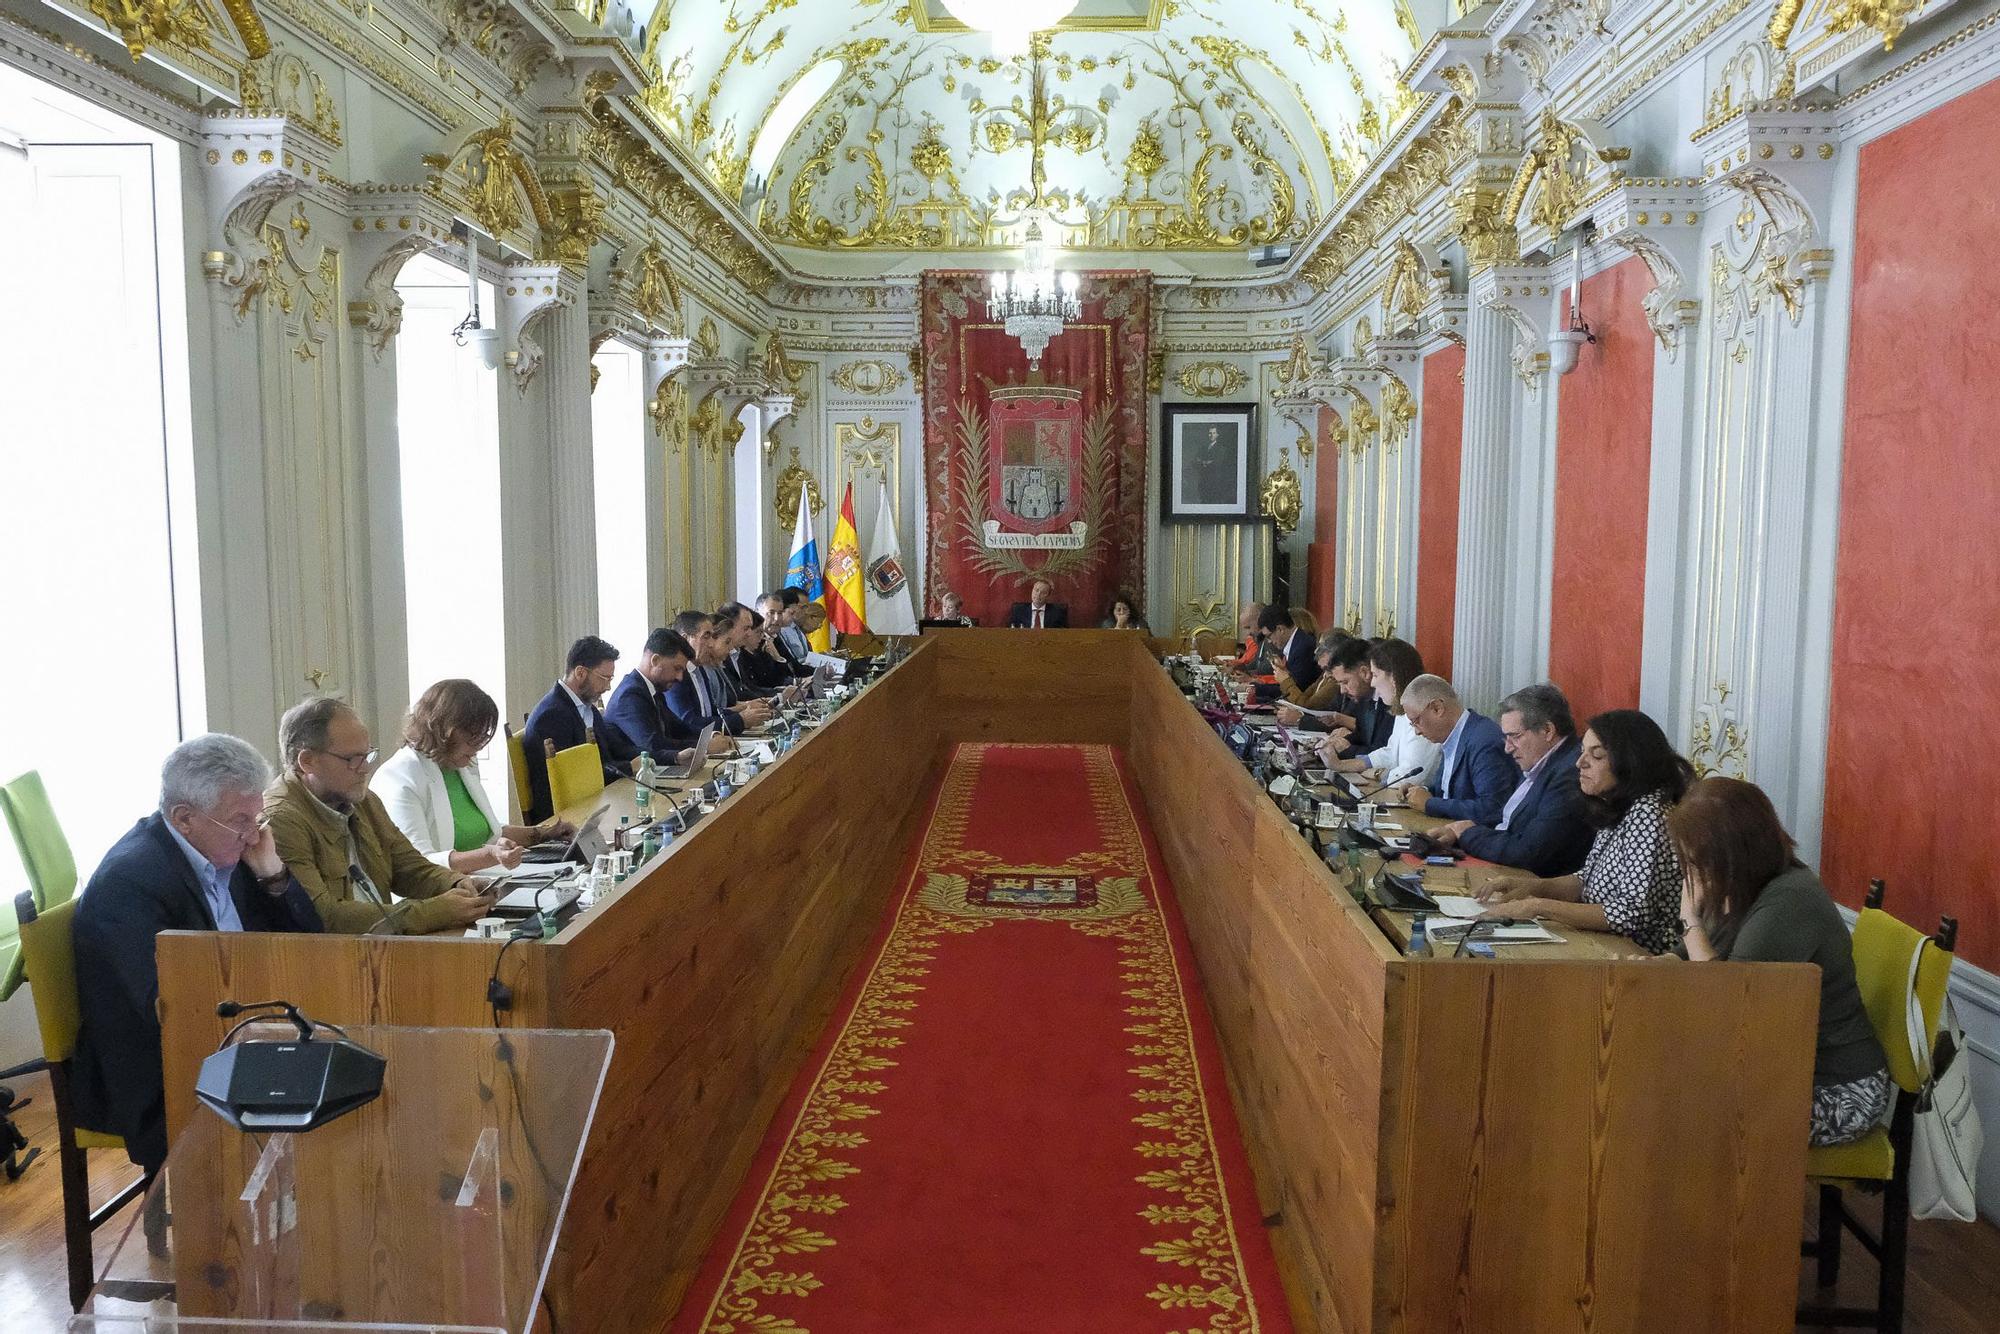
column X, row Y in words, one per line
column 1524, row 933
column 1459, row 905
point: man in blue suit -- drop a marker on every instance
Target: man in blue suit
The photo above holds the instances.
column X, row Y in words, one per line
column 638, row 708
column 1293, row 652
column 568, row 716
column 701, row 698
column 204, row 861
column 1475, row 777
column 1544, row 828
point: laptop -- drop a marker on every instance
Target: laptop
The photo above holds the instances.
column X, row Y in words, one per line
column 583, row 846
column 696, row 757
column 529, row 899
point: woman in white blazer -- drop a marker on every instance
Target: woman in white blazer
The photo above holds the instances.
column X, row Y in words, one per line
column 431, row 786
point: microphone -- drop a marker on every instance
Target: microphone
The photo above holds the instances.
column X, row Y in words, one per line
column 229, row 1009
column 1401, row 777
column 391, row 918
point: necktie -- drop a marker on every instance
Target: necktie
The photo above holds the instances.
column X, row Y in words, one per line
column 1038, row 618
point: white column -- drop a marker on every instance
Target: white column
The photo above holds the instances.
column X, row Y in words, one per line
column 1485, row 450
column 565, row 386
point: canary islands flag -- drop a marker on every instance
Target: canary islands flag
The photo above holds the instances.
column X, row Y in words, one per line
column 846, row 610
column 803, row 571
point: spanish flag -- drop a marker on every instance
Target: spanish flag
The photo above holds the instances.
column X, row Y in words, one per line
column 845, row 574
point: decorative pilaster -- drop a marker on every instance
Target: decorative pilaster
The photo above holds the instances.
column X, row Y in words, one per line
column 565, row 387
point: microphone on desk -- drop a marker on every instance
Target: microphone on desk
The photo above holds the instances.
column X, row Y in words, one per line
column 1392, row 781
column 390, row 917
column 229, row 1009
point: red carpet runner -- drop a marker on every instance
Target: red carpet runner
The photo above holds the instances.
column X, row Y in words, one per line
column 1018, row 1119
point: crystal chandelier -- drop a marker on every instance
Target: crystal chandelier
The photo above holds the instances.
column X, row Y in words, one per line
column 1033, row 302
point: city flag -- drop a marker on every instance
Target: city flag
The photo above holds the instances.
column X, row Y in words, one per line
column 803, row 571
column 846, row 606
column 889, row 611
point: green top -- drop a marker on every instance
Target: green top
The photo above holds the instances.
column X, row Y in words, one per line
column 1794, row 921
column 469, row 827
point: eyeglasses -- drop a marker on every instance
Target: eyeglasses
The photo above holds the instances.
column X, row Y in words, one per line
column 605, row 675
column 246, row 829
column 357, row 761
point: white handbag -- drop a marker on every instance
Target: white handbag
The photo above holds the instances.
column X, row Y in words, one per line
column 1946, row 1140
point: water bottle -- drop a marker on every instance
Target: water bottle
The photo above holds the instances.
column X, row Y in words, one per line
column 642, row 795
column 650, row 848
column 622, row 841
column 1420, row 939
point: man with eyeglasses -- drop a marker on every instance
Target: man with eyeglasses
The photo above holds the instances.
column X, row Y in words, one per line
column 339, row 843
column 204, row 861
column 568, row 716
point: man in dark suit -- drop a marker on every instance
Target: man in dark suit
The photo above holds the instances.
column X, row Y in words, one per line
column 749, row 671
column 1291, row 649
column 701, row 698
column 777, row 619
column 1038, row 613
column 568, row 716
column 638, row 708
column 1544, row 828
column 204, row 861
column 1475, row 776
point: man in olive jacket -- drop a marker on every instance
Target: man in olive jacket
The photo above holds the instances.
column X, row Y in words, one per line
column 339, row 843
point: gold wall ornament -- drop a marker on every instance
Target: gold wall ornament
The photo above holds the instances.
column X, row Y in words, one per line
column 1399, row 411
column 1210, row 379
column 142, row 24
column 655, row 293
column 1281, row 498
column 1362, row 427
column 1298, row 367
column 1156, row 371
column 1430, row 160
column 1561, row 162
column 281, row 83
column 1718, row 743
column 497, row 176
column 707, row 339
column 714, row 431
column 868, row 378
column 1407, row 290
column 1783, row 20
column 1364, row 338
column 576, row 221
column 497, row 31
column 668, row 413
column 1478, row 223
column 793, row 482
column 1887, row 17
column 1305, row 443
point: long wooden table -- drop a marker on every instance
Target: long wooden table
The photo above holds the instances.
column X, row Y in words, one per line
column 1538, row 1144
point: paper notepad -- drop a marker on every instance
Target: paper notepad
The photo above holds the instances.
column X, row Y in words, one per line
column 1527, row 933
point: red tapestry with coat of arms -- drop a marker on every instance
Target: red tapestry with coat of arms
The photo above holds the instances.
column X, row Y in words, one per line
column 1025, row 481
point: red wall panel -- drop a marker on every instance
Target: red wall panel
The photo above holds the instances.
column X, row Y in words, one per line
column 1437, row 506
column 1604, row 450
column 1913, row 776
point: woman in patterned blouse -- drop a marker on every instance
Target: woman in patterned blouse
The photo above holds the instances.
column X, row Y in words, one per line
column 1631, row 881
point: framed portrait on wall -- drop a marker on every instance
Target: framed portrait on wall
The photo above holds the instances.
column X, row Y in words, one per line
column 1208, row 462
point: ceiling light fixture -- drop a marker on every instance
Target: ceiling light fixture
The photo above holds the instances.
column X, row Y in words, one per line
column 1010, row 22
column 1034, row 303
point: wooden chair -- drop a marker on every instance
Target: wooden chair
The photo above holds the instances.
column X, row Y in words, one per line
column 575, row 775
column 1207, row 644
column 1879, row 1162
column 50, row 953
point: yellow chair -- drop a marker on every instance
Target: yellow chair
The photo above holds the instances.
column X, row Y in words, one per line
column 51, row 872
column 517, row 764
column 575, row 775
column 50, row 952
column 1880, row 1160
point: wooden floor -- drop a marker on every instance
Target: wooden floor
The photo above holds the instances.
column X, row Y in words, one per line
column 1954, row 1269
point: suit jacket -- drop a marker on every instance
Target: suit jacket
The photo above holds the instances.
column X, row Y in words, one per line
column 412, row 789
column 1055, row 616
column 145, row 886
column 640, row 715
column 556, row 719
column 705, row 704
column 746, row 676
column 791, row 659
column 1483, row 775
column 321, row 847
column 1301, row 660
column 1550, row 833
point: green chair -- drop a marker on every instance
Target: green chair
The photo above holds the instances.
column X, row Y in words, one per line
column 50, row 950
column 51, row 871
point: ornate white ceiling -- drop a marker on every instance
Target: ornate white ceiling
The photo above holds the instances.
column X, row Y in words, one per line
column 1163, row 125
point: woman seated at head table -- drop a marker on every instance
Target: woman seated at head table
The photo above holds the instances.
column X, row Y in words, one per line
column 1124, row 614
column 431, row 787
column 1325, row 695
column 1409, row 757
column 1747, row 896
column 951, row 607
column 1631, row 880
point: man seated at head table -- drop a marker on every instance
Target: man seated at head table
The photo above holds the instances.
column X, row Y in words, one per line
column 568, row 716
column 1320, row 707
column 1404, row 755
column 1294, row 655
column 1038, row 613
column 701, row 697
column 1630, row 882
column 204, row 861
column 803, row 617
column 1250, row 661
column 740, row 626
column 431, row 786
column 1544, row 828
column 339, row 842
column 778, row 617
column 1475, row 777
column 638, row 707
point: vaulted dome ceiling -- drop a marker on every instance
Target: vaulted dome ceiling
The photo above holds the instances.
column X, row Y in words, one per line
column 1136, row 125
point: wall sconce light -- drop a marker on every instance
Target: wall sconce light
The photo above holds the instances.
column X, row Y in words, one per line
column 1566, row 345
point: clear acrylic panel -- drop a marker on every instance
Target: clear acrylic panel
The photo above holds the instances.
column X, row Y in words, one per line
column 434, row 1207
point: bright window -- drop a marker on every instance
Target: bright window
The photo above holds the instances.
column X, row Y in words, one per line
column 793, row 107
column 448, row 435
column 618, row 448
